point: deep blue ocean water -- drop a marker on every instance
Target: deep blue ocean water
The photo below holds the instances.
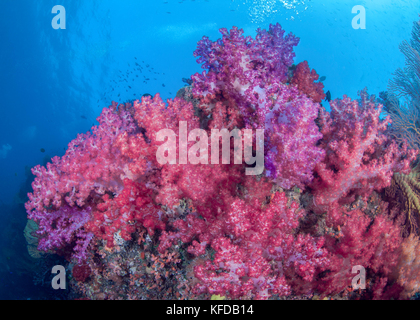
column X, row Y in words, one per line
column 54, row 83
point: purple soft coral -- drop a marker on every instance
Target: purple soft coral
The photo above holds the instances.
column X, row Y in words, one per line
column 249, row 77
column 61, row 227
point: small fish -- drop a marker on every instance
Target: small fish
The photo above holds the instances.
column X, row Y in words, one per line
column 323, row 78
column 83, row 117
column 163, row 85
column 187, row 81
column 129, row 87
column 328, row 96
column 42, row 150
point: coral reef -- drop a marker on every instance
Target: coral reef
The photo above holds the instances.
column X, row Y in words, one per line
column 134, row 227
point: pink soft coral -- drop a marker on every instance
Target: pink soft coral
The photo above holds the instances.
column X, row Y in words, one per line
column 260, row 249
column 359, row 158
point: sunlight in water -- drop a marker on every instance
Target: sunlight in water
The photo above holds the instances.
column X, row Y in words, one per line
column 260, row 10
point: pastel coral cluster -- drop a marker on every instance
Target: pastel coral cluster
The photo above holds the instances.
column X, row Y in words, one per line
column 243, row 235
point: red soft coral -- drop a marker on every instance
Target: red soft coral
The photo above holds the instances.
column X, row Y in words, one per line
column 359, row 157
column 132, row 208
column 304, row 78
column 373, row 245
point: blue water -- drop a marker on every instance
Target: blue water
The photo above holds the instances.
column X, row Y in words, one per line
column 54, row 83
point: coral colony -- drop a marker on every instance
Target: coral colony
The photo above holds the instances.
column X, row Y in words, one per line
column 141, row 213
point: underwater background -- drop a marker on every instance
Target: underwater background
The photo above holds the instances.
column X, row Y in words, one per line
column 55, row 82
